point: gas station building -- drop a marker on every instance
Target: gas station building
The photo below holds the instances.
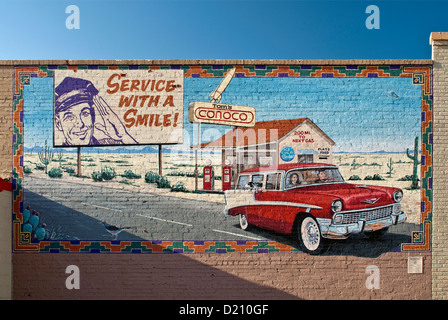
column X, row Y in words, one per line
column 273, row 142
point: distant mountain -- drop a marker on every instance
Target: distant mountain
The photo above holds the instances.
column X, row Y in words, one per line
column 380, row 151
column 128, row 149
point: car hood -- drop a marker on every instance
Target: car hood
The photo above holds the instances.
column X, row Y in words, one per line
column 353, row 196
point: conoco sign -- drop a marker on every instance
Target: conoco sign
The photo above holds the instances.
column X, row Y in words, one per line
column 224, row 114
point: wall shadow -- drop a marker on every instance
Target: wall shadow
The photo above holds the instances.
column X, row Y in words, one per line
column 123, row 276
column 66, row 223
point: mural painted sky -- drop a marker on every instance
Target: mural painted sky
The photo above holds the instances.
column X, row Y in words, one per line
column 359, row 114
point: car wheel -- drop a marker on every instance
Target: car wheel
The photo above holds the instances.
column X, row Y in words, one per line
column 310, row 237
column 243, row 222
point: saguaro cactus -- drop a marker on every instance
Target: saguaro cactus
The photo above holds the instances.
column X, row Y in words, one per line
column 390, row 166
column 60, row 156
column 416, row 163
column 46, row 156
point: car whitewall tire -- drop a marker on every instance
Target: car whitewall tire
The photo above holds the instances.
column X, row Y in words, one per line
column 310, row 237
column 243, row 222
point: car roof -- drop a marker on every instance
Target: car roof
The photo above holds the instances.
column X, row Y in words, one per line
column 288, row 166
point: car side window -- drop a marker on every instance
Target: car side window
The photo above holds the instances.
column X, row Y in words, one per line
column 273, row 181
column 243, row 182
column 257, row 181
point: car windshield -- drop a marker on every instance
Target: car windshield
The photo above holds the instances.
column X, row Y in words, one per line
column 302, row 177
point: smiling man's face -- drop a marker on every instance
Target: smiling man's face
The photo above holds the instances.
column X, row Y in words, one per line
column 76, row 124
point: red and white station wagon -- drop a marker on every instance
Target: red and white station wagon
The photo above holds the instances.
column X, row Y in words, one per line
column 313, row 202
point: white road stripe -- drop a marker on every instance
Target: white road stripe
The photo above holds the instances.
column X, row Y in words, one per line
column 55, row 198
column 164, row 220
column 236, row 234
column 93, row 205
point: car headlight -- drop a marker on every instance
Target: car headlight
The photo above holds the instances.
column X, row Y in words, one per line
column 398, row 196
column 336, row 206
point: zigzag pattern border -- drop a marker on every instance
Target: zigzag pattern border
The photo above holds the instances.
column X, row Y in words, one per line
column 420, row 75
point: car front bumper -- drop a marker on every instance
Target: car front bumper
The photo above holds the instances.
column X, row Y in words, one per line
column 343, row 231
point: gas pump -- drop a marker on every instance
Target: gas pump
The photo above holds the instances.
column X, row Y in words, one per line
column 208, row 178
column 226, row 178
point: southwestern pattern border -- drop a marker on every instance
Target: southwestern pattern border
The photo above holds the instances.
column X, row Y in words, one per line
column 420, row 75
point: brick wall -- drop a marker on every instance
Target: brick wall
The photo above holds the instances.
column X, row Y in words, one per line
column 223, row 275
column 5, row 173
column 439, row 42
column 218, row 276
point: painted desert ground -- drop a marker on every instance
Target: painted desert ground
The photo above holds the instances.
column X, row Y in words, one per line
column 178, row 168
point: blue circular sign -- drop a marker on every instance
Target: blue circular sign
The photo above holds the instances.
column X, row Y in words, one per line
column 287, row 154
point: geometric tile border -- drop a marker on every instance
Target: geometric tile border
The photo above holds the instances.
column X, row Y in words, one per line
column 419, row 75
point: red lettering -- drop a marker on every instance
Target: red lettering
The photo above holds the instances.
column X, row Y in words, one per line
column 166, row 120
column 124, row 85
column 160, row 82
column 153, row 100
column 169, row 101
column 126, row 101
column 115, row 86
column 142, row 120
column 170, row 86
column 158, row 123
column 134, row 85
column 129, row 121
column 145, row 84
column 143, row 99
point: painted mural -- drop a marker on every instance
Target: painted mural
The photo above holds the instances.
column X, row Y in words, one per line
column 133, row 107
column 108, row 159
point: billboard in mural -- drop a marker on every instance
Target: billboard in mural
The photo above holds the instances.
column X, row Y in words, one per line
column 113, row 107
column 368, row 127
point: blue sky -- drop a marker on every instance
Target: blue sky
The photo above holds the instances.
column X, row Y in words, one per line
column 359, row 114
column 219, row 29
column 223, row 29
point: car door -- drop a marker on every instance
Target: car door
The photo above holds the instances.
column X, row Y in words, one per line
column 269, row 199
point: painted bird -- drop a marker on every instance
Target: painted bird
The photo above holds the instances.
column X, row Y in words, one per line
column 114, row 230
column 392, row 94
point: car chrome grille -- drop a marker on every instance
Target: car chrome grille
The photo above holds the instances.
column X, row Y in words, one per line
column 367, row 215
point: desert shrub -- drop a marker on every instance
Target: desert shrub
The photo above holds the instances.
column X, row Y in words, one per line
column 69, row 170
column 108, row 173
column 407, row 178
column 55, row 173
column 354, row 177
column 131, row 175
column 39, row 167
column 97, row 176
column 376, row 176
column 163, row 182
column 186, row 174
column 151, row 177
column 179, row 186
column 27, row 170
